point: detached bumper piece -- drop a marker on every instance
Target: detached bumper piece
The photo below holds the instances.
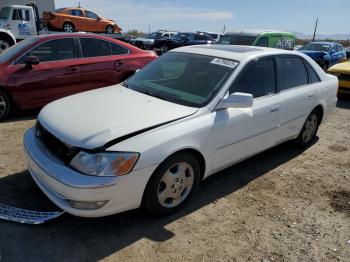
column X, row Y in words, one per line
column 24, row 216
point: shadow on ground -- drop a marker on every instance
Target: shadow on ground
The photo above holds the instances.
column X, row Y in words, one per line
column 343, row 101
column 22, row 116
column 71, row 238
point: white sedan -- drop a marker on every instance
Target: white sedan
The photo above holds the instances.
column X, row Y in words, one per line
column 150, row 140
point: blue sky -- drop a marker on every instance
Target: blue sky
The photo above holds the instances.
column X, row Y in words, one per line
column 212, row 15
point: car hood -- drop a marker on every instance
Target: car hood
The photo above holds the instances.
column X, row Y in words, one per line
column 341, row 68
column 314, row 54
column 92, row 119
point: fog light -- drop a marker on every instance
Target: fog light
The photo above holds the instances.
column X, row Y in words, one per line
column 87, row 205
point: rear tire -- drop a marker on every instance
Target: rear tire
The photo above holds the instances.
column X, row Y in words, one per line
column 309, row 130
column 5, row 105
column 172, row 184
column 68, row 27
column 110, row 29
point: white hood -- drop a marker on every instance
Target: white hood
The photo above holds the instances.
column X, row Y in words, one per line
column 91, row 119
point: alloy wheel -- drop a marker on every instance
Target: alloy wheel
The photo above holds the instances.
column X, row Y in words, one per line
column 175, row 185
column 110, row 30
column 310, row 128
column 3, row 106
column 68, row 28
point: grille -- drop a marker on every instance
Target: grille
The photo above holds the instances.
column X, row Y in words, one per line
column 344, row 77
column 54, row 145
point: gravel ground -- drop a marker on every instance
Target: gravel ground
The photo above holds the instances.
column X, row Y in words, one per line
column 282, row 205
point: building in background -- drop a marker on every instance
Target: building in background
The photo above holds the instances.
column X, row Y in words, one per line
column 43, row 5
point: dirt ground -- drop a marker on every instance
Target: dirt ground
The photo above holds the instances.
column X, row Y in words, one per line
column 282, row 205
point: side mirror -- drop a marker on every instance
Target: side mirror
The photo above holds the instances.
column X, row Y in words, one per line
column 32, row 60
column 236, row 100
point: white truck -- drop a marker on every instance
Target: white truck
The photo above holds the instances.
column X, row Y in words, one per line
column 18, row 22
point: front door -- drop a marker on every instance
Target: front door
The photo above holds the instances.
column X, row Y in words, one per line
column 240, row 133
column 56, row 76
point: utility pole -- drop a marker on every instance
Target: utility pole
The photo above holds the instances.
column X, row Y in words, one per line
column 224, row 29
column 313, row 38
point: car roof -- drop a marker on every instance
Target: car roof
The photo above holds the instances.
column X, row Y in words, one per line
column 323, row 42
column 255, row 32
column 234, row 52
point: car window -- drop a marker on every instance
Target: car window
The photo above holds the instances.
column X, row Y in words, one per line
column 201, row 37
column 75, row 12
column 91, row 15
column 92, row 47
column 26, row 15
column 258, row 79
column 339, row 48
column 291, row 73
column 263, row 41
column 118, row 50
column 314, row 78
column 237, row 40
column 54, row 50
column 17, row 15
column 190, row 37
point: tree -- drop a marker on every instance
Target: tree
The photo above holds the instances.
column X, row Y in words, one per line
column 135, row 32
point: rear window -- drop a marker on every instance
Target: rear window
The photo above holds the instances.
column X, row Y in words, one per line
column 292, row 73
column 92, row 47
column 237, row 40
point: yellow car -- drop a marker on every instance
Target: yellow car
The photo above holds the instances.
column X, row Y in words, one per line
column 342, row 71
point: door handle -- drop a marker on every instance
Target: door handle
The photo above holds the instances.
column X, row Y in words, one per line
column 311, row 96
column 119, row 62
column 72, row 69
column 274, row 109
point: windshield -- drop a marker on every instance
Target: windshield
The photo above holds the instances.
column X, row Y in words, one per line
column 4, row 13
column 186, row 79
column 237, row 40
column 316, row 47
column 14, row 50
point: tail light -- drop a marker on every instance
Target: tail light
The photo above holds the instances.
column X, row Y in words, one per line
column 151, row 52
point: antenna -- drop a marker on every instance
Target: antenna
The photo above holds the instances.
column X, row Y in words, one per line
column 224, row 29
column 79, row 6
column 313, row 38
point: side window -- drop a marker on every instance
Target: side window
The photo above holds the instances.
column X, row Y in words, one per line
column 258, row 79
column 17, row 15
column 118, row 50
column 27, row 15
column 92, row 47
column 200, row 37
column 55, row 50
column 190, row 37
column 292, row 73
column 314, row 78
column 263, row 41
column 75, row 12
column 91, row 15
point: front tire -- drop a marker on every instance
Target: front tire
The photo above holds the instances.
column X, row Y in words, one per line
column 309, row 130
column 172, row 184
column 5, row 106
column 4, row 44
column 68, row 27
column 109, row 29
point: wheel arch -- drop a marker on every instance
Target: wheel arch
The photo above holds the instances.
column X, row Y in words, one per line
column 320, row 109
column 8, row 37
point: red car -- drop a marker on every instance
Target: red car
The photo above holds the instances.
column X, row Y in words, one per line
column 41, row 69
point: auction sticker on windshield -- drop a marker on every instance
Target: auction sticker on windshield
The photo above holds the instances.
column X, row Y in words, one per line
column 224, row 62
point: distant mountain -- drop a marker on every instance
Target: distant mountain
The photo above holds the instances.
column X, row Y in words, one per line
column 323, row 36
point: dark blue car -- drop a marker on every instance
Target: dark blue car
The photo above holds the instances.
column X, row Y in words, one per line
column 325, row 54
column 182, row 39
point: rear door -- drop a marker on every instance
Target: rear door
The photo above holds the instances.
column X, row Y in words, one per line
column 241, row 132
column 297, row 94
column 56, row 76
column 103, row 63
column 78, row 19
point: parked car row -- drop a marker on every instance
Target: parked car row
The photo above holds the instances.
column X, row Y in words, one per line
column 41, row 69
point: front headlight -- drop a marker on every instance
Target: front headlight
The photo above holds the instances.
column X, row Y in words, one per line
column 104, row 163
